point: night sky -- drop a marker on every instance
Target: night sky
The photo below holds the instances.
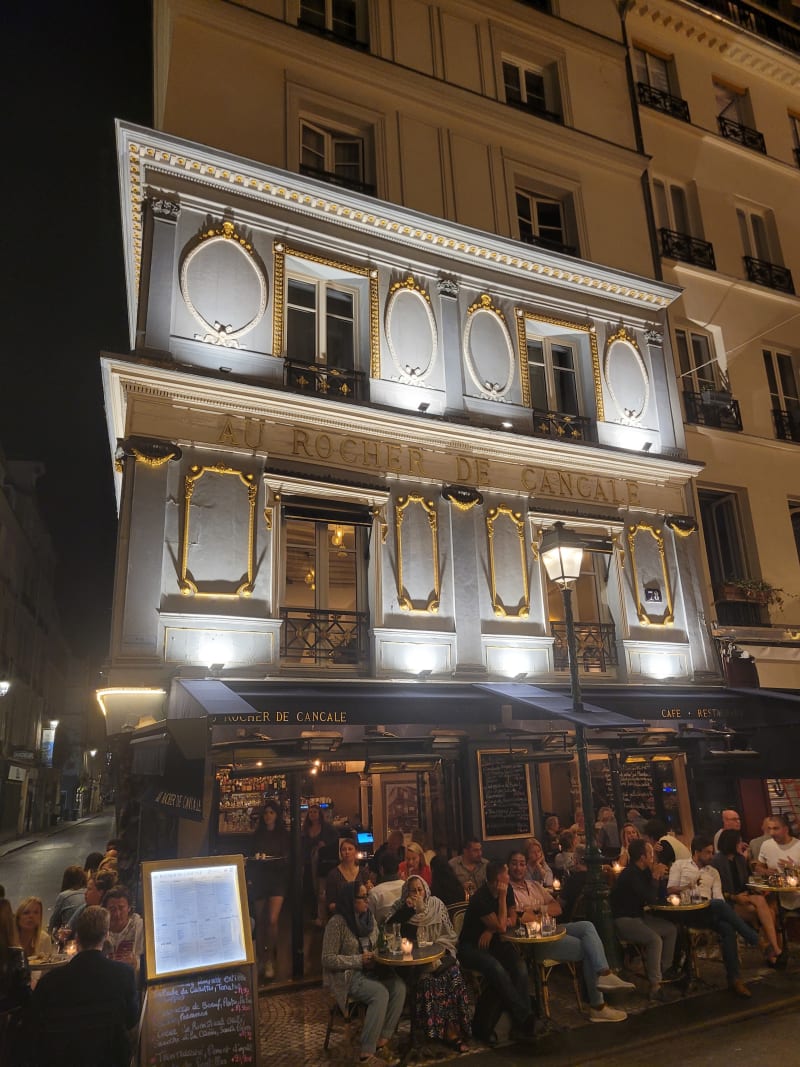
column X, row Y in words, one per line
column 71, row 69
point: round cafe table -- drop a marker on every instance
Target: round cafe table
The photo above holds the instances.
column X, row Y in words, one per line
column 408, row 965
column 683, row 914
column 779, row 891
column 527, row 942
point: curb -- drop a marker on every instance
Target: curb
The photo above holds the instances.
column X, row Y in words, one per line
column 15, row 844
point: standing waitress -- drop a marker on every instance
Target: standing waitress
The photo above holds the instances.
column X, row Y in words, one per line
column 270, row 845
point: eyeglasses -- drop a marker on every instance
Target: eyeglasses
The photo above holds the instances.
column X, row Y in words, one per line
column 361, row 896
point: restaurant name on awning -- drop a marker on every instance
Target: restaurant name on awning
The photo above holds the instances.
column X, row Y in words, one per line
column 303, row 717
column 691, row 713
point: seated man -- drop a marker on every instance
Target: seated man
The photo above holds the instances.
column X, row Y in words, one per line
column 635, row 888
column 698, row 874
column 480, row 948
column 383, row 896
column 81, row 1013
column 581, row 942
column 126, row 929
column 470, row 867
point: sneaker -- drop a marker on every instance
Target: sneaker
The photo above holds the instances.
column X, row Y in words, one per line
column 656, row 994
column 607, row 1014
column 608, row 983
column 673, row 974
column 385, row 1055
column 269, row 969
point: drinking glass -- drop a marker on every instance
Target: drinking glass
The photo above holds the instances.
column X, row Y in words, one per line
column 424, row 939
column 395, row 938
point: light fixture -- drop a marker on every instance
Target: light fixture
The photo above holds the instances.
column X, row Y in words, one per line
column 337, row 537
column 5, row 685
column 562, row 554
column 93, row 752
column 423, row 407
column 54, row 724
column 217, row 669
column 426, row 673
column 647, row 446
column 521, row 676
column 401, row 764
column 507, row 425
column 310, row 578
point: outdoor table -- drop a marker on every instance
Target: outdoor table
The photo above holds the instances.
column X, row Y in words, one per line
column 529, row 941
column 683, row 913
column 778, row 890
column 409, row 965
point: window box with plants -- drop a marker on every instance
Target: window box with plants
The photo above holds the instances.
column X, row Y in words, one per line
column 751, row 590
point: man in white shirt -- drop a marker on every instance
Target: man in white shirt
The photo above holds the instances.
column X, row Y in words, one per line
column 382, row 897
column 779, row 852
column 698, row 876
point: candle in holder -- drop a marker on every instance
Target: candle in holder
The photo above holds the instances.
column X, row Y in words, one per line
column 673, row 899
column 534, row 929
column 791, row 879
column 406, row 946
column 556, row 885
column 616, row 867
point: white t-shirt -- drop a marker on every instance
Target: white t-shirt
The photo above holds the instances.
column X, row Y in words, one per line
column 685, row 874
column 382, row 897
column 770, row 853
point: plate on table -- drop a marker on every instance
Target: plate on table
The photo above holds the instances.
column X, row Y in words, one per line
column 33, row 961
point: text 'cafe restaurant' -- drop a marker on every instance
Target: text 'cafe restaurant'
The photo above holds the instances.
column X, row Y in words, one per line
column 454, row 759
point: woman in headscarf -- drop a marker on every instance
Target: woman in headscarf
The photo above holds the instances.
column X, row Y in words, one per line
column 348, row 970
column 442, row 1002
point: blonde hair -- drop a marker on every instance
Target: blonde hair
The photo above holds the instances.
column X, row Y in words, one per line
column 529, row 844
column 26, row 903
column 415, row 848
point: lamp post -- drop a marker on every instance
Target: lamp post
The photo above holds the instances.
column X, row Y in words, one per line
column 562, row 554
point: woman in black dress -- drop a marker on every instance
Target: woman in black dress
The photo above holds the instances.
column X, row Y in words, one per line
column 270, row 851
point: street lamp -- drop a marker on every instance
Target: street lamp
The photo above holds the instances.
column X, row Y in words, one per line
column 562, row 554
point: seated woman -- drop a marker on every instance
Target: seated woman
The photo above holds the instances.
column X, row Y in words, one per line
column 348, row 970
column 752, row 907
column 629, row 833
column 442, row 1001
column 538, row 867
column 70, row 899
column 414, row 863
column 32, row 938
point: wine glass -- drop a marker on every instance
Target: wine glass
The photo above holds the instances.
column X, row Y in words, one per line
column 520, row 928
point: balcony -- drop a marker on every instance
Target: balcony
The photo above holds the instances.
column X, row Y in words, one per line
column 332, row 178
column 756, row 21
column 787, row 424
column 741, row 134
column 321, row 380
column 316, row 638
column 688, row 249
column 546, row 242
column 534, row 109
column 562, row 427
column 712, row 407
column 770, row 274
column 597, row 646
column 661, row 101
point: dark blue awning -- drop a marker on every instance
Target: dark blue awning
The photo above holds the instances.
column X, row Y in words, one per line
column 559, row 705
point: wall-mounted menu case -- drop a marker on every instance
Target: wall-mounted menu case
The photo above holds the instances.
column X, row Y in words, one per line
column 241, row 800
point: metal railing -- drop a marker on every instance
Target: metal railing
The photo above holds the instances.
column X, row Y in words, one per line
column 596, row 642
column 560, row 426
column 662, row 101
column 688, row 249
column 757, row 21
column 741, row 134
column 534, row 109
column 709, row 408
column 545, row 242
column 773, row 276
column 787, row 424
column 317, row 638
column 332, row 178
column 322, row 380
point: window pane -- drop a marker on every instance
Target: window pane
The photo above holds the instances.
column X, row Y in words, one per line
column 301, row 294
column 683, row 355
column 340, row 329
column 680, row 212
column 313, row 12
column 511, row 84
column 726, row 102
column 312, row 149
column 564, row 380
column 347, row 159
column 301, row 566
column 760, row 238
column 550, row 228
column 744, row 232
column 524, row 220
column 663, row 219
column 343, row 21
column 538, row 376
column 659, row 73
column 772, row 381
column 534, row 90
column 787, row 376
column 640, row 66
column 341, row 549
column 301, row 321
column 704, row 364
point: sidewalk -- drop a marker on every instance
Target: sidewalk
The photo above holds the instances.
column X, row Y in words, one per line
column 293, row 1021
column 16, row 843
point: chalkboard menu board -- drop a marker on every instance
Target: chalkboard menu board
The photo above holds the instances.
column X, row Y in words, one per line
column 205, row 1021
column 505, row 795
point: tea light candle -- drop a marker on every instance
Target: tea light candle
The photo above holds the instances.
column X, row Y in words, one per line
column 406, row 946
column 556, row 884
column 534, row 929
column 616, row 867
column 791, row 879
column 673, row 899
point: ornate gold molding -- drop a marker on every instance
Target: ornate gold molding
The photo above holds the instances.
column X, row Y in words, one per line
column 410, row 284
column 641, row 611
column 429, row 507
column 186, row 585
column 155, row 461
column 682, row 525
column 522, row 317
column 279, row 252
column 268, row 518
column 464, row 497
column 503, row 510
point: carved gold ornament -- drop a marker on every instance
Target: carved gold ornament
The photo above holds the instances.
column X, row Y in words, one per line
column 641, row 611
column 503, row 511
column 429, row 507
column 218, row 333
column 522, row 318
column 186, row 584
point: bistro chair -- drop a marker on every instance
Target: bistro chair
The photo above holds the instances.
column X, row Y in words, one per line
column 352, row 1017
column 544, row 968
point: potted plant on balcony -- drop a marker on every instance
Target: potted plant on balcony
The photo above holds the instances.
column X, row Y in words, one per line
column 752, row 590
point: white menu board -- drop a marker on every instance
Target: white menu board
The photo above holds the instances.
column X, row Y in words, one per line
column 196, row 915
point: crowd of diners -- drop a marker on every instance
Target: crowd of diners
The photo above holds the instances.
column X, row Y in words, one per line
column 69, row 976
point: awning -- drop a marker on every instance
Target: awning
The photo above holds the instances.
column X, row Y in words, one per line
column 174, row 756
column 559, row 705
column 704, row 705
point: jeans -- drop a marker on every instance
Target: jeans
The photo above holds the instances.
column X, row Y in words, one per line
column 723, row 920
column 581, row 942
column 504, row 969
column 384, row 998
column 658, row 937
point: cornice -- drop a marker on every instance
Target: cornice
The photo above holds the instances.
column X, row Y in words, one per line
column 126, row 377
column 145, row 155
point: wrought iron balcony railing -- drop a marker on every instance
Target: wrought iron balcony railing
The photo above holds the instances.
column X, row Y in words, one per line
column 534, row 109
column 315, row 638
column 741, row 134
column 770, row 274
column 662, row 101
column 545, row 242
column 787, row 424
column 323, row 380
column 688, row 249
column 597, row 646
column 757, row 21
column 712, row 408
column 560, row 426
column 337, row 179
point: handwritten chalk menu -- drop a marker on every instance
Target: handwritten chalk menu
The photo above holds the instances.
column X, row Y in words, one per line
column 196, row 915
column 505, row 795
column 205, row 1021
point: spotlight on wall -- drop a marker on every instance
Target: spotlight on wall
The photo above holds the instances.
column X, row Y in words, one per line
column 423, row 407
column 5, row 685
column 521, row 676
column 424, row 675
column 647, row 446
column 507, row 425
column 216, row 670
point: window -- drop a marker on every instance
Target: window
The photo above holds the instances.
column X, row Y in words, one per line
column 540, row 221
column 699, row 369
column 320, row 323
column 794, row 122
column 657, row 72
column 552, row 375
column 334, row 156
column 531, row 90
column 724, row 543
column 346, row 20
column 784, row 394
column 735, row 117
column 594, row 632
column 794, row 515
column 325, row 588
column 678, row 226
column 762, row 256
